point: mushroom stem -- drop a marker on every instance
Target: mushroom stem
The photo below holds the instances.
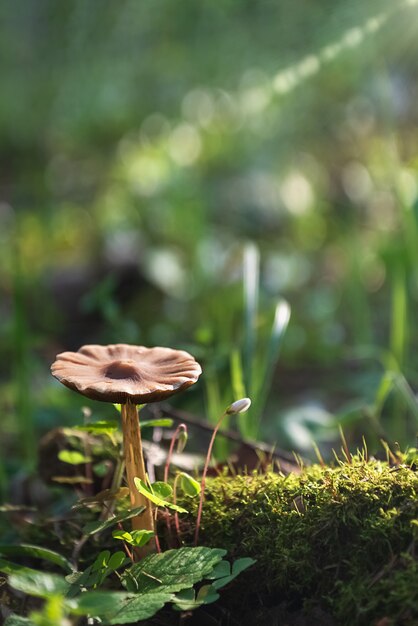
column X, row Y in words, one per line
column 135, row 467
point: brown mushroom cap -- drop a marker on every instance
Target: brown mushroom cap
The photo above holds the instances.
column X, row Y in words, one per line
column 120, row 372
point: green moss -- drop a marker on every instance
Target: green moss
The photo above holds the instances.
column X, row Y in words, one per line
column 342, row 537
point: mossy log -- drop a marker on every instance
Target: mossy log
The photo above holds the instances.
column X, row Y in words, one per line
column 339, row 540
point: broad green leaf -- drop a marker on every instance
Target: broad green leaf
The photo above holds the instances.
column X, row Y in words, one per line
column 95, row 527
column 185, row 600
column 37, row 552
column 146, row 491
column 73, row 457
column 189, row 485
column 120, row 607
column 172, row 570
column 39, row 584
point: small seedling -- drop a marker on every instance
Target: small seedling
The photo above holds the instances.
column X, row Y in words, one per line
column 240, row 406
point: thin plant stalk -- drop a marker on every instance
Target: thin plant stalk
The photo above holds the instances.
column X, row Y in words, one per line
column 181, row 429
column 176, row 515
column 203, row 481
column 239, row 406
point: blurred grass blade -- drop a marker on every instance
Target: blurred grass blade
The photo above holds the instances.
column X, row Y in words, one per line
column 407, row 394
column 251, row 283
column 384, row 389
column 398, row 334
column 237, row 376
column 266, row 371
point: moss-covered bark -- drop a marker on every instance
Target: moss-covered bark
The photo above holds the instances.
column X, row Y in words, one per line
column 342, row 538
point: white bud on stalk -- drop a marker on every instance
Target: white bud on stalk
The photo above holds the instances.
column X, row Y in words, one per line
column 239, row 406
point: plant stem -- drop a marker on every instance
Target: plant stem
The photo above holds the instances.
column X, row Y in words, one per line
column 135, row 467
column 180, row 427
column 203, row 481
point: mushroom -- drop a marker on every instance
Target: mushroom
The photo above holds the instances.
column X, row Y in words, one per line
column 128, row 375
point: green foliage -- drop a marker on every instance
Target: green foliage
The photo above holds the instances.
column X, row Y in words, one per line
column 189, row 485
column 158, row 492
column 150, row 584
column 94, row 576
column 72, row 457
column 137, row 538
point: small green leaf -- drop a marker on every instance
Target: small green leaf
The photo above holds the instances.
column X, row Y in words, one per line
column 101, row 469
column 137, row 538
column 101, row 427
column 141, row 537
column 123, row 535
column 207, row 594
column 94, row 527
column 187, row 601
column 161, row 490
column 240, row 565
column 223, row 575
column 37, row 552
column 181, row 440
column 73, row 457
column 117, row 560
column 221, row 569
column 164, row 422
column 101, row 560
column 189, row 485
column 146, row 491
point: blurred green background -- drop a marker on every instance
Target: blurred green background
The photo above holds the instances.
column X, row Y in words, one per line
column 171, row 171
